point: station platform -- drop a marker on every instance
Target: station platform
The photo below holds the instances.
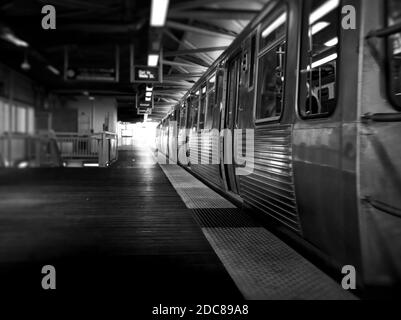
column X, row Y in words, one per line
column 150, row 230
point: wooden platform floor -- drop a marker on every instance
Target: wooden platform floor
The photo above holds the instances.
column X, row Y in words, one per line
column 121, row 231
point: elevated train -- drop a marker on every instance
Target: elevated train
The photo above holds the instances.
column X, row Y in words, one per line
column 322, row 95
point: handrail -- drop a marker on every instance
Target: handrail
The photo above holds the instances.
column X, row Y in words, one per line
column 384, row 32
column 100, row 145
column 28, row 150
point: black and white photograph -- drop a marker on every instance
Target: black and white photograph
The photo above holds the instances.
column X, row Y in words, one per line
column 200, row 158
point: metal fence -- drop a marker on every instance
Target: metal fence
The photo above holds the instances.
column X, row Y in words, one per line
column 24, row 150
column 101, row 146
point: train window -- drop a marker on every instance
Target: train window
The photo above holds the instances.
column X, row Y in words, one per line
column 189, row 111
column 194, row 103
column 271, row 70
column 210, row 101
column 394, row 18
column 252, row 62
column 182, row 116
column 202, row 109
column 319, row 74
column 218, row 98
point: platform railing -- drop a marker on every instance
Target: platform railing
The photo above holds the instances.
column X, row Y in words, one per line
column 100, row 146
column 28, row 150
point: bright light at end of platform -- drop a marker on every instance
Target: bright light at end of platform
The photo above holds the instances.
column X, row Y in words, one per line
column 158, row 13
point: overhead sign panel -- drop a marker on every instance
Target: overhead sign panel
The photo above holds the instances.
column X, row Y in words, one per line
column 144, row 110
column 146, row 74
column 92, row 63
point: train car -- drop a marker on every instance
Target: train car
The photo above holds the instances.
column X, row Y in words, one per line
column 312, row 89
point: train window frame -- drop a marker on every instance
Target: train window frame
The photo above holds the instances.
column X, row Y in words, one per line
column 219, row 96
column 188, row 107
column 261, row 51
column 209, row 90
column 202, row 95
column 252, row 61
column 183, row 115
column 389, row 57
column 304, row 64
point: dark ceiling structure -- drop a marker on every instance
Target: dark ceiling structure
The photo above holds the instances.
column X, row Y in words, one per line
column 195, row 34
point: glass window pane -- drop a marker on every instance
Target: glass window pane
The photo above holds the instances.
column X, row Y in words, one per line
column 271, row 83
column 274, row 29
column 395, row 51
column 218, row 99
column 271, row 66
column 194, row 105
column 321, row 65
column 202, row 109
column 210, row 102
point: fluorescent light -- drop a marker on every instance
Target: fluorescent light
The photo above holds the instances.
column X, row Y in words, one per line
column 317, row 27
column 25, row 65
column 148, row 99
column 204, row 90
column 148, row 94
column 158, row 13
column 53, row 69
column 331, row 43
column 277, row 23
column 153, row 60
column 149, row 88
column 91, row 165
column 91, row 98
column 324, row 60
column 324, row 9
column 23, row 165
column 8, row 36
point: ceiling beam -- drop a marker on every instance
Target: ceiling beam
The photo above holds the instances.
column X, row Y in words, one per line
column 200, row 30
column 197, row 4
column 218, row 14
column 182, row 76
column 77, row 4
column 182, row 64
column 101, row 27
column 193, row 51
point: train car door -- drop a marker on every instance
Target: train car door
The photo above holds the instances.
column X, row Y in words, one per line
column 231, row 122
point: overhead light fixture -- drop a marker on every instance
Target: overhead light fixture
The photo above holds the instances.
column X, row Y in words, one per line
column 317, row 27
column 323, row 10
column 158, row 13
column 324, row 60
column 10, row 37
column 153, row 60
column 275, row 25
column 53, row 69
column 25, row 64
column 91, row 98
column 331, row 43
column 148, row 99
column 148, row 94
column 91, row 165
column 149, row 88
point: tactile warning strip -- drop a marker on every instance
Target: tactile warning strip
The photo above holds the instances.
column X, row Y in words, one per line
column 262, row 266
column 193, row 192
column 223, row 218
